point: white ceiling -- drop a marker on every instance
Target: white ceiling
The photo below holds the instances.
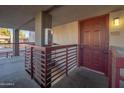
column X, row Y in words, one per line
column 16, row 16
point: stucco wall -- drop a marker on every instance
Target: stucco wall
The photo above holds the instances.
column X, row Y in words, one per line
column 66, row 34
column 116, row 34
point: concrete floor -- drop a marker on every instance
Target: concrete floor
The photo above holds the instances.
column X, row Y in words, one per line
column 82, row 78
column 13, row 75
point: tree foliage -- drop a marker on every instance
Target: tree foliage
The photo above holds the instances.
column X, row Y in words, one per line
column 4, row 32
column 21, row 35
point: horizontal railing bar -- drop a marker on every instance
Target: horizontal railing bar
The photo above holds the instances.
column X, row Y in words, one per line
column 57, row 53
column 39, row 80
column 38, row 63
column 39, row 67
column 27, row 62
column 52, row 76
column 28, row 56
column 62, row 58
column 61, row 47
column 58, row 76
column 69, row 55
column 40, row 54
column 39, row 58
column 41, row 72
column 72, row 57
column 50, row 63
column 52, row 71
column 71, row 66
column 70, row 61
column 40, row 75
column 28, row 53
column 56, row 61
column 27, row 49
column 56, row 65
column 70, row 52
column 57, row 57
column 75, row 48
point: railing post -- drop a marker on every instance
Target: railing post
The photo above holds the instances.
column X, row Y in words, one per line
column 66, row 61
column 117, row 74
column 77, row 56
column 110, row 70
column 25, row 56
column 6, row 54
column 31, row 62
column 47, row 82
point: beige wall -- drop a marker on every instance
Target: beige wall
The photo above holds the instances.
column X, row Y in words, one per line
column 116, row 32
column 66, row 34
column 38, row 28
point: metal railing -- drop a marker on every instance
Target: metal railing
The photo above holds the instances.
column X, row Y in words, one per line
column 47, row 65
column 6, row 49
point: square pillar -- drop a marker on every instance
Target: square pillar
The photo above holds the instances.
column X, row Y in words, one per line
column 43, row 21
column 16, row 42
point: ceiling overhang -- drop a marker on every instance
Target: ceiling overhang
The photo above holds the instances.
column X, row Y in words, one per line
column 23, row 16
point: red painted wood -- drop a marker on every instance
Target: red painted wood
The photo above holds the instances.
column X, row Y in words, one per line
column 115, row 64
column 66, row 61
column 94, row 43
column 32, row 74
column 40, row 62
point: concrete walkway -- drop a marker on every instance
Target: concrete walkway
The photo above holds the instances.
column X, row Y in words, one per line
column 13, row 74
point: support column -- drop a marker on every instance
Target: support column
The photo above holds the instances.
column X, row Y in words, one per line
column 43, row 21
column 16, row 42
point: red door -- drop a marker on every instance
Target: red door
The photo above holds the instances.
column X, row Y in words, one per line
column 94, row 40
